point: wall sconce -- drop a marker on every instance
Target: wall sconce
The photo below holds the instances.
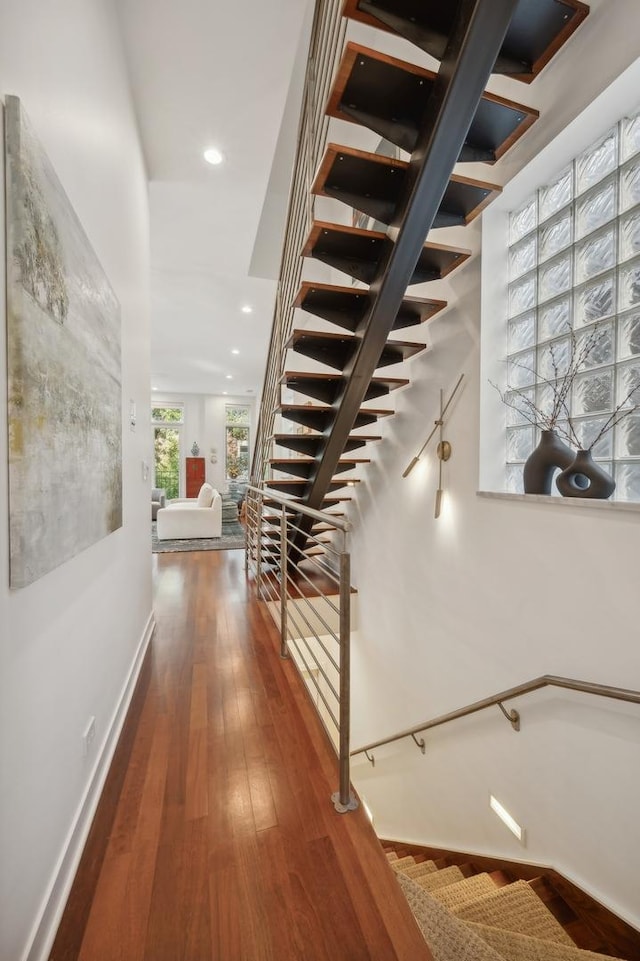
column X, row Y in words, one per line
column 443, row 450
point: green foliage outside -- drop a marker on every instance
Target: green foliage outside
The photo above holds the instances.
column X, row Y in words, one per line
column 167, row 459
column 237, row 452
column 168, row 415
column 237, row 447
column 236, row 415
column 166, row 442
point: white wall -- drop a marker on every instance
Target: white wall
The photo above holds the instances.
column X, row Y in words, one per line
column 497, row 592
column 68, row 642
column 204, row 423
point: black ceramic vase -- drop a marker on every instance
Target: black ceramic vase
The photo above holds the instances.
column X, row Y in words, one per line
column 584, row 478
column 550, row 455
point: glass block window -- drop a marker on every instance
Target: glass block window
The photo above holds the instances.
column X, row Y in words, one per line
column 574, row 299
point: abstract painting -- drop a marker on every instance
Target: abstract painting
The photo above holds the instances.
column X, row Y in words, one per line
column 64, row 369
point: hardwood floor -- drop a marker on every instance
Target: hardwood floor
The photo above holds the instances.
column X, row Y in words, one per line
column 216, row 837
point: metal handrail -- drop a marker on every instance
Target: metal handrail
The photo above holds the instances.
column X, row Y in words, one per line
column 298, row 508
column 547, row 680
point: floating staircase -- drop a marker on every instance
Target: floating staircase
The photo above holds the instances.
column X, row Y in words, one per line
column 439, row 119
column 490, row 915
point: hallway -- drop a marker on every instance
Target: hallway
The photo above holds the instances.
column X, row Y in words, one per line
column 216, row 837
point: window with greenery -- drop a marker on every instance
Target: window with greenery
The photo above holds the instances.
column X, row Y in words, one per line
column 166, row 444
column 237, row 443
column 574, row 279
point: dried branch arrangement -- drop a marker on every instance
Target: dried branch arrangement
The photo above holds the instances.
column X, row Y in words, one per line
column 560, row 385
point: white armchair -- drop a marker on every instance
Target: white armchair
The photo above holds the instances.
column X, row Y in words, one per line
column 191, row 517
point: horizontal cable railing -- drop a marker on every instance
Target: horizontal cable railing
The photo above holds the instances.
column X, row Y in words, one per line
column 310, row 600
column 497, row 700
column 327, row 39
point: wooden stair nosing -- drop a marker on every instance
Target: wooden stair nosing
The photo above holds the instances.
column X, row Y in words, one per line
column 510, row 62
column 464, row 198
column 399, row 71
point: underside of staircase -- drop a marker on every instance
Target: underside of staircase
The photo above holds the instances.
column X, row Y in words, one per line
column 489, row 911
column 437, row 119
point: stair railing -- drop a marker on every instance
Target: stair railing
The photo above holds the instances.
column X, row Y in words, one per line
column 327, row 41
column 497, row 700
column 310, row 599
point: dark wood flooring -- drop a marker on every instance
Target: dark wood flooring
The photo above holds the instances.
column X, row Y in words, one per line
column 215, row 837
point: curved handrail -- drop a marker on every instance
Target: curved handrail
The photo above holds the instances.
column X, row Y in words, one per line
column 547, row 680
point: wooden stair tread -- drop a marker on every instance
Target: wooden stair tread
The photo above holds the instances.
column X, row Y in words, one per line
column 337, row 349
column 439, row 878
column 536, row 33
column 319, row 418
column 297, row 484
column 390, row 96
column 304, row 466
column 515, row 907
column 360, row 252
column 329, row 387
column 347, row 306
column 310, row 444
column 376, row 184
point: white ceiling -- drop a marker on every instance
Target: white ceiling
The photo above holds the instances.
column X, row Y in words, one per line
column 205, row 73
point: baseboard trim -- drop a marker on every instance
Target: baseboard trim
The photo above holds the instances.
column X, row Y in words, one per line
column 53, row 905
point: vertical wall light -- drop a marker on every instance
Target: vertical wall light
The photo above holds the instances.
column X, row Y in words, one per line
column 443, row 449
column 506, row 818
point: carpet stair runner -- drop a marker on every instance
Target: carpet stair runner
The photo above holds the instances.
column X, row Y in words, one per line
column 468, row 916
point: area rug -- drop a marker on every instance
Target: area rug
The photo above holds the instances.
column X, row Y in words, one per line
column 232, row 539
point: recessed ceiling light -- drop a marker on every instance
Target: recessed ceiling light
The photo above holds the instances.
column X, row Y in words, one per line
column 225, row 392
column 247, row 309
column 154, row 388
column 235, row 351
column 229, row 377
column 213, row 156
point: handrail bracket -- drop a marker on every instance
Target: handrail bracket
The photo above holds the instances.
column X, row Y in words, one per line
column 420, row 742
column 512, row 716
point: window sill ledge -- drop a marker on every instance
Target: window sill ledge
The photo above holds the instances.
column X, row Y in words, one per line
column 583, row 503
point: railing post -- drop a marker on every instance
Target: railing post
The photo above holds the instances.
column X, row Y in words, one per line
column 343, row 800
column 248, row 500
column 284, row 651
column 259, row 545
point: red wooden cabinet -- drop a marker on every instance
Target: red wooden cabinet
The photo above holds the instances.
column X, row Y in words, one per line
column 194, row 475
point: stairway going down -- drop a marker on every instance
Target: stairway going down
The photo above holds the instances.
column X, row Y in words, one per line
column 437, row 119
column 467, row 914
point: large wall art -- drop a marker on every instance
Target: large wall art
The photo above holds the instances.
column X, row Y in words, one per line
column 63, row 345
